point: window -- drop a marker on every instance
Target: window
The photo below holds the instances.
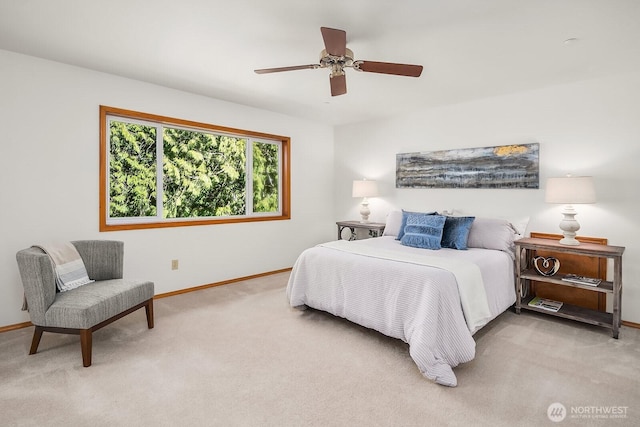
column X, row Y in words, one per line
column 163, row 172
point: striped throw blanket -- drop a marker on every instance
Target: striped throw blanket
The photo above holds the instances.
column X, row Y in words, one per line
column 69, row 267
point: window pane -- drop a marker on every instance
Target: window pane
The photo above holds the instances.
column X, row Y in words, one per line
column 204, row 174
column 265, row 177
column 132, row 170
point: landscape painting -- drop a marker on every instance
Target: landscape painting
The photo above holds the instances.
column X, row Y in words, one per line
column 505, row 166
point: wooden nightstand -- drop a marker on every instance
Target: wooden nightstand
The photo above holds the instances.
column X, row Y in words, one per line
column 375, row 228
column 525, row 248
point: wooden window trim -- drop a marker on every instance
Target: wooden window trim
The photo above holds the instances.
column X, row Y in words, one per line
column 130, row 114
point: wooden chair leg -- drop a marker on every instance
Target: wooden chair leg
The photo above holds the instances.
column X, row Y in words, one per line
column 35, row 342
column 149, row 310
column 85, row 344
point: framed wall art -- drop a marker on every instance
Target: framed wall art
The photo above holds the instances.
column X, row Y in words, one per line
column 504, row 166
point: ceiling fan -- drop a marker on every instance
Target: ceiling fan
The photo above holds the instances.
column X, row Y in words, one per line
column 336, row 57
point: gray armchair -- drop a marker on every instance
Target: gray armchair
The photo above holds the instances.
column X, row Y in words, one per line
column 83, row 310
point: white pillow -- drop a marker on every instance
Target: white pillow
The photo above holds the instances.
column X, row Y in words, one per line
column 492, row 233
column 394, row 221
column 518, row 223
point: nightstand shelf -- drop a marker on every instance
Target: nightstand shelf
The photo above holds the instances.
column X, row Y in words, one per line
column 375, row 228
column 604, row 286
column 573, row 312
column 525, row 250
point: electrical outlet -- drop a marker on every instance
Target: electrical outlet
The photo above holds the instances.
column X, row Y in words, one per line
column 174, row 264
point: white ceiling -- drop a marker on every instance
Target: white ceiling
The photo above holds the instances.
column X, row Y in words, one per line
column 469, row 48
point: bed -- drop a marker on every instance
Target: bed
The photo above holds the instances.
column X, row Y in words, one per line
column 434, row 300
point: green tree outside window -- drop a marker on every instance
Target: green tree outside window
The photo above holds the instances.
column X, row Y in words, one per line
column 203, row 174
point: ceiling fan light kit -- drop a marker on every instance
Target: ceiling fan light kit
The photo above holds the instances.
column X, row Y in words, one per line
column 336, row 57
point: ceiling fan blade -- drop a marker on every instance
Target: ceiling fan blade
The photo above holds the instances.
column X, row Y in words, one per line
column 335, row 41
column 279, row 69
column 390, row 68
column 338, row 85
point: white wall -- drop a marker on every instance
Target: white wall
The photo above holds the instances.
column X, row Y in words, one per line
column 49, row 169
column 586, row 128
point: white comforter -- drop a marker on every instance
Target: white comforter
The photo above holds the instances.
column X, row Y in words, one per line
column 402, row 298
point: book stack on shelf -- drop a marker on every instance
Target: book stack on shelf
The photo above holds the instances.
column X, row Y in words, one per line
column 546, row 304
column 581, row 280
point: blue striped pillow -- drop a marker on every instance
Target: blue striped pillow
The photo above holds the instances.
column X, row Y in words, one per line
column 423, row 231
column 405, row 215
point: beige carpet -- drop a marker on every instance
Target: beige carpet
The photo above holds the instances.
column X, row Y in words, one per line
column 237, row 355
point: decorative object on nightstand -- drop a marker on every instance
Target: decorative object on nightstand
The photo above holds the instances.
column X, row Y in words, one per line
column 570, row 190
column 365, row 188
column 548, row 266
column 375, row 228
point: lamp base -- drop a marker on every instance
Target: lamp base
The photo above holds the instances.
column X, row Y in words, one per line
column 569, row 241
column 569, row 226
column 364, row 211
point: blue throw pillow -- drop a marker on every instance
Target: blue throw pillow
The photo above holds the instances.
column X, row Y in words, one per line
column 456, row 231
column 403, row 224
column 423, row 231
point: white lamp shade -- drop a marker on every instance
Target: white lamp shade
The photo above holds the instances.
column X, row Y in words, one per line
column 365, row 188
column 570, row 190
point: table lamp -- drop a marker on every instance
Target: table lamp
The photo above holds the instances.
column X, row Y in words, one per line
column 364, row 189
column 570, row 190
